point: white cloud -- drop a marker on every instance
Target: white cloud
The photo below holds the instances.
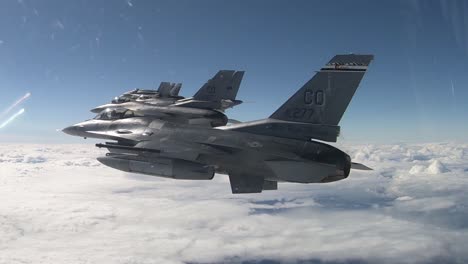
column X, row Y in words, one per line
column 437, row 167
column 59, row 205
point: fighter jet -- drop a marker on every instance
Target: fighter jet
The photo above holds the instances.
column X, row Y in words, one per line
column 165, row 103
column 167, row 92
column 256, row 155
column 218, row 93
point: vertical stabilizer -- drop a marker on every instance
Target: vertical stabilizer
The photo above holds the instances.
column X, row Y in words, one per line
column 223, row 86
column 167, row 89
column 325, row 97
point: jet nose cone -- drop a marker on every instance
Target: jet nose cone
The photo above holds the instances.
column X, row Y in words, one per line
column 72, row 130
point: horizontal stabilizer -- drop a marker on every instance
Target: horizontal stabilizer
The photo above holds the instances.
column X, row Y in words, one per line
column 359, row 166
column 287, row 129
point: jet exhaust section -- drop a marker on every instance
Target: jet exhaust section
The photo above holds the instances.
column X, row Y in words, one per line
column 343, row 169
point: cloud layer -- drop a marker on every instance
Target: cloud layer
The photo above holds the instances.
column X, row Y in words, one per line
column 59, row 205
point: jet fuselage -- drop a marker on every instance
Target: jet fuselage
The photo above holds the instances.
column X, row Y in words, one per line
column 272, row 158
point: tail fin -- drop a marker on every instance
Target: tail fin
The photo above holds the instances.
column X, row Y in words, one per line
column 325, row 97
column 315, row 110
column 223, row 86
column 167, row 89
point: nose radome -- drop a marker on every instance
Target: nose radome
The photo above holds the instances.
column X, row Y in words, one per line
column 68, row 130
column 72, row 130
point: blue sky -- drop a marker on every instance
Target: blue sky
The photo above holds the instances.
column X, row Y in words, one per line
column 75, row 55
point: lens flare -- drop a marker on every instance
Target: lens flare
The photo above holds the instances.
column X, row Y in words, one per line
column 13, row 117
column 19, row 101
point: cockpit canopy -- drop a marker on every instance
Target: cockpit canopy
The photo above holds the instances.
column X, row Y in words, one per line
column 114, row 114
column 133, row 96
column 121, row 99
